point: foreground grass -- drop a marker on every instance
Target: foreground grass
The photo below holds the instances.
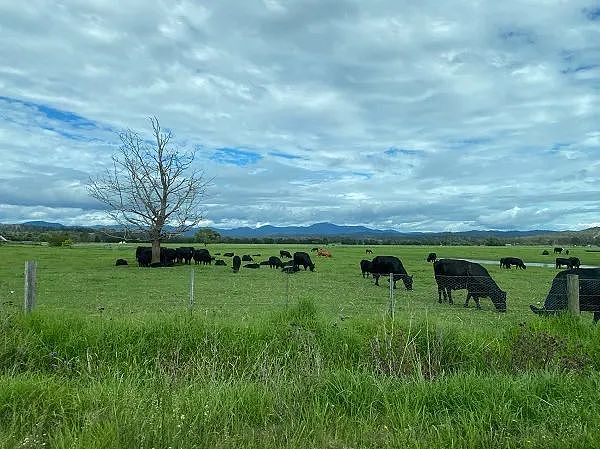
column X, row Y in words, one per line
column 294, row 379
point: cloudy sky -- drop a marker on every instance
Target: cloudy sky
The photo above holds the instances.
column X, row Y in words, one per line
column 424, row 116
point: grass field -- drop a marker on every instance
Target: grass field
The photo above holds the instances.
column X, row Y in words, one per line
column 113, row 356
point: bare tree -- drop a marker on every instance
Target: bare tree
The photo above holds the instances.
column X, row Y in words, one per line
column 152, row 185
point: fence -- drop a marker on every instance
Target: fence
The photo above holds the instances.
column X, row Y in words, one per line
column 248, row 293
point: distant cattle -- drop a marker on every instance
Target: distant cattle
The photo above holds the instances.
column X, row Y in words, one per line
column 558, row 250
column 545, row 252
column 456, row 274
column 275, row 262
column 256, row 255
column 220, row 262
column 252, row 265
column 507, row 262
column 184, row 254
column 302, row 258
column 575, row 262
column 323, row 253
column 120, row 262
column 247, row 258
column 589, row 293
column 217, row 254
column 382, row 265
column 368, row 251
column 202, row 256
column 228, row 254
column 567, row 252
column 560, row 261
column 365, row 267
column 284, row 253
column 144, row 257
column 432, row 257
column 314, row 249
column 237, row 262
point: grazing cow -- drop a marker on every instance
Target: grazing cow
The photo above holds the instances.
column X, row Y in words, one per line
column 120, row 263
column 314, row 249
column 382, row 265
column 368, row 251
column 560, row 261
column 184, row 254
column 575, row 262
column 237, row 261
column 202, row 255
column 432, row 257
column 589, row 293
column 323, row 252
column 558, row 250
column 456, row 274
column 228, row 254
column 275, row 262
column 545, row 253
column 302, row 258
column 284, row 253
column 365, row 267
column 220, row 262
column 252, row 265
column 247, row 258
column 507, row 262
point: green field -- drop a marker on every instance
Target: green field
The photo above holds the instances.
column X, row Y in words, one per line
column 115, row 357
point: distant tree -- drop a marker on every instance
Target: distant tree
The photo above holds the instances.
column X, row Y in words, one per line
column 152, row 188
column 207, row 235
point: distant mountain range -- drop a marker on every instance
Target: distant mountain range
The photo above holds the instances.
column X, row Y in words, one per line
column 323, row 230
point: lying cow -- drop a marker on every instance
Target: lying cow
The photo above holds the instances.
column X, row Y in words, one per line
column 457, row 274
column 589, row 293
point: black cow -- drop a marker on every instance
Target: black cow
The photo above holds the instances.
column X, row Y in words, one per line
column 432, row 257
column 289, row 269
column 545, row 252
column 237, row 261
column 217, row 254
column 382, row 265
column 256, row 255
column 220, row 262
column 560, row 261
column 507, row 262
column 567, row 252
column 575, row 262
column 142, row 256
column 202, row 255
column 252, row 265
column 314, row 249
column 302, row 258
column 589, row 293
column 558, row 250
column 168, row 256
column 228, row 254
column 275, row 262
column 457, row 274
column 284, row 253
column 368, row 251
column 366, row 267
column 120, row 262
column 247, row 258
column 184, row 254
column 264, row 262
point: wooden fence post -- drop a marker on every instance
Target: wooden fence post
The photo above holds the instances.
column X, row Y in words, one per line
column 392, row 308
column 573, row 293
column 191, row 290
column 30, row 283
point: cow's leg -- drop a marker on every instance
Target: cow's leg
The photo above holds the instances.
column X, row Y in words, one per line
column 467, row 300
column 476, row 298
column 376, row 276
column 596, row 316
column 449, row 291
column 440, row 294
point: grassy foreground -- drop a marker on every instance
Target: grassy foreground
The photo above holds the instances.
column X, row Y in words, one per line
column 246, row 370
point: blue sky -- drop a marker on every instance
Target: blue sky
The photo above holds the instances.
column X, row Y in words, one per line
column 424, row 116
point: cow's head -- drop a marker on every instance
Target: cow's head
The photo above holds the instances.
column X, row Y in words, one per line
column 500, row 301
column 312, row 267
column 408, row 282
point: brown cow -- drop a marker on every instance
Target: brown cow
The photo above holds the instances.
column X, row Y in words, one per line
column 323, row 252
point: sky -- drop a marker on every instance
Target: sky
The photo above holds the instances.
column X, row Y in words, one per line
column 413, row 116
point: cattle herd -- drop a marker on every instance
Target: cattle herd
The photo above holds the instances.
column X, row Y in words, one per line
column 449, row 274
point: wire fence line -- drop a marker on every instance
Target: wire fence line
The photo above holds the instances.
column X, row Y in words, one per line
column 241, row 294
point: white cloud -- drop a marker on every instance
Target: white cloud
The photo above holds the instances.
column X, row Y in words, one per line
column 495, row 105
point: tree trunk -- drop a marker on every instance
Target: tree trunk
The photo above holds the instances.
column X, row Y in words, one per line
column 156, row 251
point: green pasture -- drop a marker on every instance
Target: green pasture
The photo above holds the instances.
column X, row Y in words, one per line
column 113, row 357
